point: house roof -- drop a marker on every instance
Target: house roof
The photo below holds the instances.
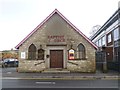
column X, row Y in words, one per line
column 108, row 23
column 64, row 18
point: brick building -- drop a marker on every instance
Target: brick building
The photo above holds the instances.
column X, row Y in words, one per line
column 56, row 43
column 108, row 39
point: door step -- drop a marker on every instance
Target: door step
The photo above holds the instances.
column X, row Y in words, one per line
column 56, row 70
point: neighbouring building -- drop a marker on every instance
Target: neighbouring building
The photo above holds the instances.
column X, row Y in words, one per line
column 56, row 43
column 107, row 38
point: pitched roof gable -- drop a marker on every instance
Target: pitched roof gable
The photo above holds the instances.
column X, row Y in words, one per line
column 64, row 18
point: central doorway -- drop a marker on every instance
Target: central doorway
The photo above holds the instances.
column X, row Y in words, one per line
column 56, row 58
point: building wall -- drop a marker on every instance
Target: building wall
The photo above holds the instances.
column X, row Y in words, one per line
column 56, row 26
column 110, row 47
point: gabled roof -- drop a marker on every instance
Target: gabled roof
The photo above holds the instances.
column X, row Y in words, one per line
column 64, row 18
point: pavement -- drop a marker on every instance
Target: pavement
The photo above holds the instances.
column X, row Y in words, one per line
column 11, row 73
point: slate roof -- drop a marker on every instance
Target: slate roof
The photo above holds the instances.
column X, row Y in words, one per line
column 64, row 18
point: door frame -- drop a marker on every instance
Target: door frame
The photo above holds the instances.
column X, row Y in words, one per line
column 56, row 48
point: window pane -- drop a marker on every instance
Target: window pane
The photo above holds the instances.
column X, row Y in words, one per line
column 103, row 40
column 109, row 38
column 81, row 50
column 100, row 43
column 116, row 34
column 32, row 52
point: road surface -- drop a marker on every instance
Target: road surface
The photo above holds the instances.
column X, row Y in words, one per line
column 33, row 83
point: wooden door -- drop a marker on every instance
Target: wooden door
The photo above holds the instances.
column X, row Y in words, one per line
column 56, row 58
column 109, row 53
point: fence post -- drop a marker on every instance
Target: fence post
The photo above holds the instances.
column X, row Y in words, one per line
column 105, row 70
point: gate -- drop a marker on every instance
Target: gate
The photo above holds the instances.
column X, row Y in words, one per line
column 100, row 59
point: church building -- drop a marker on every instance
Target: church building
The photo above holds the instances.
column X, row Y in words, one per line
column 56, row 44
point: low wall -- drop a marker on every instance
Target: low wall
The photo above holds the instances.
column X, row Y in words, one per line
column 31, row 65
column 81, row 66
column 73, row 66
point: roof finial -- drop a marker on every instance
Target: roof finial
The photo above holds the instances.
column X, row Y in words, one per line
column 56, row 10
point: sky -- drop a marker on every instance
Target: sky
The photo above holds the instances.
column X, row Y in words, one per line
column 19, row 17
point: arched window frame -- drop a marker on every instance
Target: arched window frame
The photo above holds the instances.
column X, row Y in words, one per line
column 81, row 52
column 32, row 52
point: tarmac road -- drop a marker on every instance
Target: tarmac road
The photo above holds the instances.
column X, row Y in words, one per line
column 33, row 83
column 13, row 79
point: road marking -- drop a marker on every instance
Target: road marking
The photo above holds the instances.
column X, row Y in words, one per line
column 45, row 82
column 9, row 72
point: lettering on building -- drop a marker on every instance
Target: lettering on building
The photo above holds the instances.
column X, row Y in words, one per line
column 56, row 38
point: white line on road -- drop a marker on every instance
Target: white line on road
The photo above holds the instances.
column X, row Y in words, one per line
column 45, row 82
column 9, row 72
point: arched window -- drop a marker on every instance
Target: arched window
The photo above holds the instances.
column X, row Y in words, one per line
column 81, row 51
column 41, row 54
column 32, row 52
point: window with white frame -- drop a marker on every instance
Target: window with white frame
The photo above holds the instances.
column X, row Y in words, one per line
column 109, row 38
column 116, row 34
column 100, row 42
column 103, row 40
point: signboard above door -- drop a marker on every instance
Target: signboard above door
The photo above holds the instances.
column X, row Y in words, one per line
column 56, row 38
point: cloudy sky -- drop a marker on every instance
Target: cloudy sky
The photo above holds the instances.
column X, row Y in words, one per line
column 19, row 17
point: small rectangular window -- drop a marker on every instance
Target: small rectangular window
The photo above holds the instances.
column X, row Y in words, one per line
column 116, row 34
column 109, row 38
column 103, row 40
column 100, row 42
